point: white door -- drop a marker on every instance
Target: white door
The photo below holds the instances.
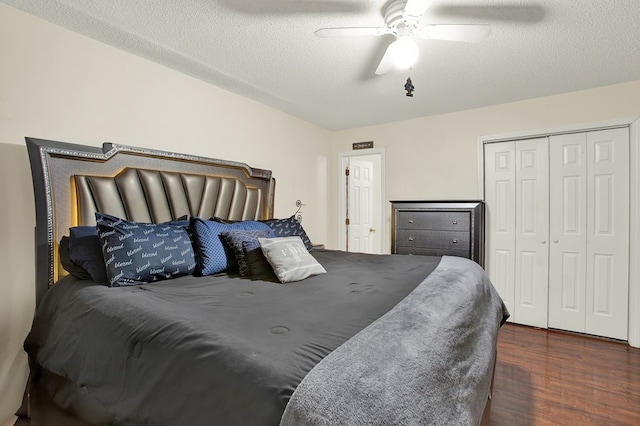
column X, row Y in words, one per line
column 517, row 218
column 568, row 214
column 531, row 232
column 607, row 273
column 500, row 187
column 589, row 263
column 361, row 186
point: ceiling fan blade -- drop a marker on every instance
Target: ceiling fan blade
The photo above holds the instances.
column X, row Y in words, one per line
column 351, row 31
column 472, row 33
column 386, row 63
column 516, row 12
column 416, row 8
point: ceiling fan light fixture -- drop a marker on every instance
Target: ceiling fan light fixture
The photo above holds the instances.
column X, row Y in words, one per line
column 403, row 19
column 404, row 51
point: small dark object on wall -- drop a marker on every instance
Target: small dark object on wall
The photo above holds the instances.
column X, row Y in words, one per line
column 409, row 87
column 362, row 145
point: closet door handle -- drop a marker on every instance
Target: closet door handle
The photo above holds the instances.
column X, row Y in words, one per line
column 555, row 241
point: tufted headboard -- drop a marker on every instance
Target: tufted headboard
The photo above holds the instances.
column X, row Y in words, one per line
column 71, row 182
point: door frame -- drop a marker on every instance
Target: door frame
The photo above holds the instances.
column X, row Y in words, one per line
column 633, row 123
column 342, row 156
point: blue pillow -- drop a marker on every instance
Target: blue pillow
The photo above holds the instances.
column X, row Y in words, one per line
column 138, row 253
column 85, row 251
column 212, row 254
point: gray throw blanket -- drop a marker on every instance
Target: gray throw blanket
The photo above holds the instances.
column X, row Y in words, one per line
column 428, row 361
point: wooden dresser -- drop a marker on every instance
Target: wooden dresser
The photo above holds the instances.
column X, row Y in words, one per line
column 437, row 228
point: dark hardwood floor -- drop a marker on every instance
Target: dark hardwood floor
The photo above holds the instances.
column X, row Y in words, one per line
column 546, row 377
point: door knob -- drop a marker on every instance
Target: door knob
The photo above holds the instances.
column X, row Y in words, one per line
column 372, row 230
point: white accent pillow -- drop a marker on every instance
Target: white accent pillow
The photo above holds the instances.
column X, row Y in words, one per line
column 289, row 258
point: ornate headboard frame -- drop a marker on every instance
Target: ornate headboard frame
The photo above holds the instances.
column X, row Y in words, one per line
column 71, row 182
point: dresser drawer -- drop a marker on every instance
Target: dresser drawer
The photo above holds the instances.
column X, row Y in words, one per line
column 434, row 220
column 432, row 251
column 451, row 240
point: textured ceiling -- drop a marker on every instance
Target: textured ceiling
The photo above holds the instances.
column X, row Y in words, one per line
column 266, row 50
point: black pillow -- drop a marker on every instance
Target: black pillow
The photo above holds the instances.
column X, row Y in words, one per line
column 85, row 251
column 68, row 265
column 137, row 253
column 235, row 239
column 258, row 265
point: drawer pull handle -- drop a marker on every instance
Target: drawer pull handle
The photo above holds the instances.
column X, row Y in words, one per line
column 411, row 221
column 410, row 238
column 455, row 241
column 455, row 222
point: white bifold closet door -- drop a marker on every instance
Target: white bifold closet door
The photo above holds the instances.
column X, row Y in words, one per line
column 500, row 223
column 557, row 230
column 589, row 251
column 532, row 232
column 517, row 201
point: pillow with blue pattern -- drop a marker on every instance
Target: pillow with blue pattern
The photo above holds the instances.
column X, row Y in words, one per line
column 289, row 227
column 81, row 255
column 137, row 253
column 213, row 256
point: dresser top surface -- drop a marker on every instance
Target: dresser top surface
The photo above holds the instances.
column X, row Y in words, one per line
column 437, row 201
column 437, row 205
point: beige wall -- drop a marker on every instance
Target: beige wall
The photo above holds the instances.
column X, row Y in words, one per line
column 58, row 85
column 436, row 157
column 55, row 84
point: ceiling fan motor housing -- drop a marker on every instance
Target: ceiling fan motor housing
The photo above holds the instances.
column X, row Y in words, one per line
column 395, row 17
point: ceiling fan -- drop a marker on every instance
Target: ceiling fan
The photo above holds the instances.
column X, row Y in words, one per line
column 403, row 19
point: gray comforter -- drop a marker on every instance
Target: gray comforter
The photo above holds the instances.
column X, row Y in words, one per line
column 222, row 349
column 428, row 361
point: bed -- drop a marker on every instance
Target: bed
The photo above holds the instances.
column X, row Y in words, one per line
column 267, row 330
